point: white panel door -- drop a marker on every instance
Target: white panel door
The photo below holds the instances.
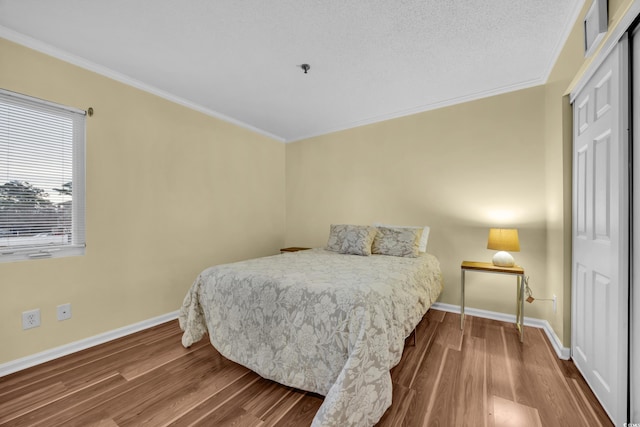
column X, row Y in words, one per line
column 600, row 287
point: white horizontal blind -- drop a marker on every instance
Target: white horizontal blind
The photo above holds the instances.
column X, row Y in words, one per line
column 41, row 178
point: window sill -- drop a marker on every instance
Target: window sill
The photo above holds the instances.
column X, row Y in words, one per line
column 25, row 254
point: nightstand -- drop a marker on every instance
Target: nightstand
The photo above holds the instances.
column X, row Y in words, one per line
column 292, row 249
column 487, row 267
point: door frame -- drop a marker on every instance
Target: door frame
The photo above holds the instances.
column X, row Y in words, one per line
column 634, row 290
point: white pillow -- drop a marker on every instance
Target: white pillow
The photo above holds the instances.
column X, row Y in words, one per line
column 424, row 239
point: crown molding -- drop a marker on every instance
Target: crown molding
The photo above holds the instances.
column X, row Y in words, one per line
column 568, row 27
column 62, row 55
column 424, row 108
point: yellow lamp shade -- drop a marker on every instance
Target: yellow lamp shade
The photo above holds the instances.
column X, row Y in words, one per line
column 503, row 239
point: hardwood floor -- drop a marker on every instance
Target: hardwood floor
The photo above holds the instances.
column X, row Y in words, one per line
column 484, row 377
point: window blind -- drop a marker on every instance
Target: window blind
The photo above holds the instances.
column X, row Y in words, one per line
column 41, row 178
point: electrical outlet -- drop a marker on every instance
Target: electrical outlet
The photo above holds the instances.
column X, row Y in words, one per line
column 31, row 319
column 64, row 311
column 555, row 303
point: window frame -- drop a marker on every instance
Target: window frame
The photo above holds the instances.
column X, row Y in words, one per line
column 78, row 221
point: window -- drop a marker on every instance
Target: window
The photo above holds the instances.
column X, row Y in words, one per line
column 41, row 178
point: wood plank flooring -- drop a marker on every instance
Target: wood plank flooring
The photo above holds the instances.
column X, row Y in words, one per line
column 482, row 377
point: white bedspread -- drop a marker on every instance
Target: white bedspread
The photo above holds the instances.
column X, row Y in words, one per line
column 316, row 320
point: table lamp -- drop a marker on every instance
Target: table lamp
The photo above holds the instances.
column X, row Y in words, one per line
column 503, row 240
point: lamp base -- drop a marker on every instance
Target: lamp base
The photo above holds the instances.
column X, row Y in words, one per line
column 503, row 259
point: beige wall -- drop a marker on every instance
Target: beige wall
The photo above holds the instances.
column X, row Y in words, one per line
column 460, row 170
column 170, row 191
column 439, row 168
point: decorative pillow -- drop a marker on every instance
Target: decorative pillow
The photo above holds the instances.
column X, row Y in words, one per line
column 336, row 237
column 358, row 240
column 397, row 241
column 424, row 239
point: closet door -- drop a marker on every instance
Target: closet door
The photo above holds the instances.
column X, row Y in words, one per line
column 600, row 283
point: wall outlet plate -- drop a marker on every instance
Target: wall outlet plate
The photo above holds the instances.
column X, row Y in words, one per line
column 64, row 311
column 31, row 319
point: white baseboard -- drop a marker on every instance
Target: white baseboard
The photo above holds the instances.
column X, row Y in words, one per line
column 562, row 352
column 54, row 353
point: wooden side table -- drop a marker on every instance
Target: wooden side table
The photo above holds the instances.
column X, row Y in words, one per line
column 293, row 249
column 487, row 267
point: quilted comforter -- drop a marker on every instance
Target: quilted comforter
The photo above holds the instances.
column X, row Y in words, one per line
column 316, row 320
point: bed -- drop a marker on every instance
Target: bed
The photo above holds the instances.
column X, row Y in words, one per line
column 318, row 320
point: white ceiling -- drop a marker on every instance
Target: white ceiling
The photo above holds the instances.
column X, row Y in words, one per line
column 239, row 59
